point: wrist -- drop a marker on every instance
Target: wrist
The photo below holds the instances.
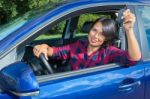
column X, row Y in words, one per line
column 130, row 30
column 49, row 51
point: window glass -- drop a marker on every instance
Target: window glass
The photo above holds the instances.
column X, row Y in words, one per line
column 87, row 18
column 55, row 32
column 53, row 37
column 33, row 10
column 145, row 15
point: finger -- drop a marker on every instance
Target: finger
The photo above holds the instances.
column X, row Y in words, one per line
column 129, row 19
column 46, row 56
column 129, row 15
column 36, row 48
column 38, row 53
column 35, row 52
column 126, row 11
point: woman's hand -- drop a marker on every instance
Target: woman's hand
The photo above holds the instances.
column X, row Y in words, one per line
column 38, row 49
column 129, row 20
column 133, row 46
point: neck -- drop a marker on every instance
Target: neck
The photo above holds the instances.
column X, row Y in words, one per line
column 91, row 49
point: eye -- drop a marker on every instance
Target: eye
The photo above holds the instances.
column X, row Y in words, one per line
column 94, row 30
column 100, row 33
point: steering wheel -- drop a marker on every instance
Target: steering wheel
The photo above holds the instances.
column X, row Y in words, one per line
column 46, row 64
column 44, row 61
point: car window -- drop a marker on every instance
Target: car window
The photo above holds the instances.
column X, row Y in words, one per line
column 145, row 15
column 54, row 37
column 53, row 33
column 17, row 22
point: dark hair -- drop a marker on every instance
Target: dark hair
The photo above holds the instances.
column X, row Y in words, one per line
column 109, row 28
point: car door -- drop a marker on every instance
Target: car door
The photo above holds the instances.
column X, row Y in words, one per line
column 106, row 82
column 144, row 27
column 112, row 81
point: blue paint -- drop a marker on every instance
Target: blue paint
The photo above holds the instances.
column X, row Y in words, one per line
column 18, row 77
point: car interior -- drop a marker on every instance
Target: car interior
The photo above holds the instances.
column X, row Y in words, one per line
column 69, row 34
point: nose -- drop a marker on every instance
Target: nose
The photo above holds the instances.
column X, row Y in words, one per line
column 96, row 35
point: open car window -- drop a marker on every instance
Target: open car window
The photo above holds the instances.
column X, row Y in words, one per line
column 61, row 34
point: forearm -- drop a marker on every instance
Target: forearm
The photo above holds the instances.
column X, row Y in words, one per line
column 61, row 52
column 133, row 46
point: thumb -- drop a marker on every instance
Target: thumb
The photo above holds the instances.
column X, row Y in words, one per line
column 46, row 56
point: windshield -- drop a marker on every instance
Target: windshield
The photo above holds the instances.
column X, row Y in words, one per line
column 18, row 22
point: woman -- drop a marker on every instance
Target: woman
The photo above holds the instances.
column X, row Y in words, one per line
column 97, row 50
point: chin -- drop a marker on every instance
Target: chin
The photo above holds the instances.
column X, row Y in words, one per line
column 95, row 45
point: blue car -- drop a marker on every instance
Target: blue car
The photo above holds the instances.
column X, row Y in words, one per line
column 23, row 76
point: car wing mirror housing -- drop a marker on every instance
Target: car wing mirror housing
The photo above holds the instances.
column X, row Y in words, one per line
column 19, row 79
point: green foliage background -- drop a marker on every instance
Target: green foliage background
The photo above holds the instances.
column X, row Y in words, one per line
column 11, row 9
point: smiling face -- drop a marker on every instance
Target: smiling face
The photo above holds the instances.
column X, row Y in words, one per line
column 96, row 37
column 102, row 32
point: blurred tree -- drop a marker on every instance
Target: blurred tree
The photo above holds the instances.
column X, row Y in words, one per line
column 10, row 9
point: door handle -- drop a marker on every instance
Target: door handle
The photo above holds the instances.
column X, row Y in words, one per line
column 127, row 87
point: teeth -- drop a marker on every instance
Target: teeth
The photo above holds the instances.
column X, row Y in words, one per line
column 94, row 40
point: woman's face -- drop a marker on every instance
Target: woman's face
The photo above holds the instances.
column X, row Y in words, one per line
column 95, row 37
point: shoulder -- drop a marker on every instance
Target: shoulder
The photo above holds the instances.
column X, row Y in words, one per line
column 112, row 49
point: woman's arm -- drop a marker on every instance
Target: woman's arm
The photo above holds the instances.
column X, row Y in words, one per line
column 55, row 52
column 133, row 46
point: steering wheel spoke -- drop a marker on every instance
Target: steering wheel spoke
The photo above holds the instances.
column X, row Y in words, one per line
column 46, row 64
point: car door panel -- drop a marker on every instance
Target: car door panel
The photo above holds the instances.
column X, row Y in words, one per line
column 4, row 96
column 98, row 85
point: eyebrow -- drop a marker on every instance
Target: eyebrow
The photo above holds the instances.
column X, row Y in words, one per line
column 97, row 30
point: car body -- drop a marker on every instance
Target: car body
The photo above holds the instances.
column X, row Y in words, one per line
column 111, row 81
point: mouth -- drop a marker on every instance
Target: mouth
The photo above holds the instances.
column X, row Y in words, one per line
column 94, row 40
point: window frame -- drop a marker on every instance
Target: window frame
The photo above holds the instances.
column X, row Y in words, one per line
column 142, row 35
column 59, row 76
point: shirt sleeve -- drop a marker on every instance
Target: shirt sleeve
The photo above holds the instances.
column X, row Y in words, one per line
column 120, row 56
column 62, row 52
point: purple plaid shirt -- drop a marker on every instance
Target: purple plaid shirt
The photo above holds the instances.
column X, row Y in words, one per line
column 79, row 59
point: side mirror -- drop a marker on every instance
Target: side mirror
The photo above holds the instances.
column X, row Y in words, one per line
column 19, row 79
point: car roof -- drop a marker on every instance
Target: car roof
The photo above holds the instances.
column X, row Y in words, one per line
column 115, row 1
column 24, row 31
